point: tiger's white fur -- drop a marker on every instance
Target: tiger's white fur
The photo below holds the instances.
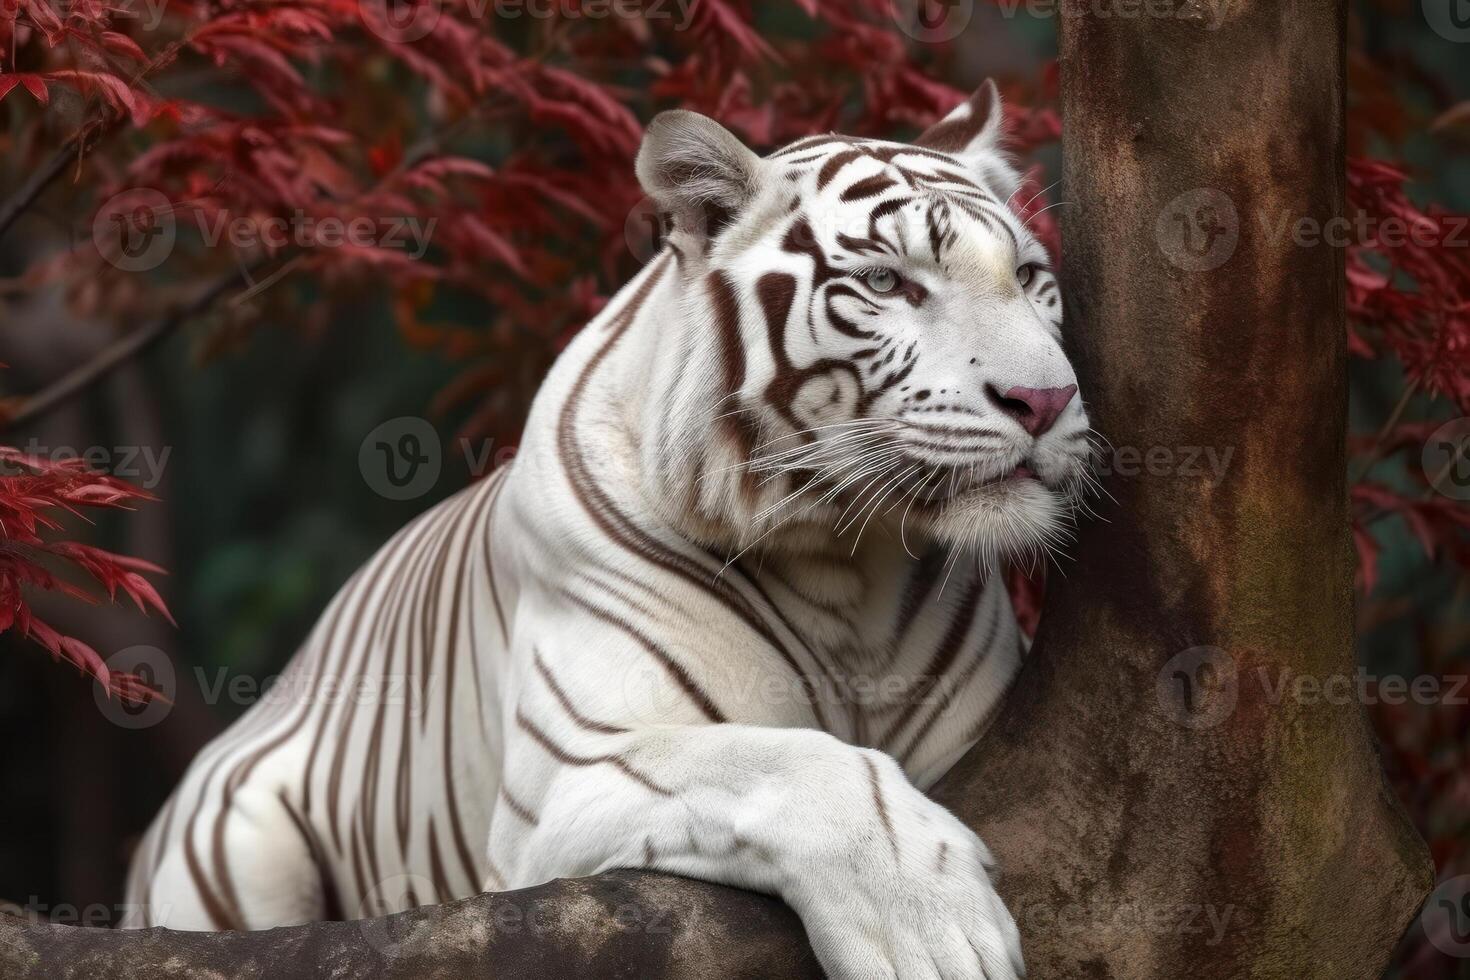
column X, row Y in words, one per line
column 727, row 613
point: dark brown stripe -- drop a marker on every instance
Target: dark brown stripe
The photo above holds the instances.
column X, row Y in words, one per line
column 436, row 867
column 414, row 606
column 862, row 246
column 499, row 484
column 361, row 593
column 944, row 656
column 732, row 371
column 567, row 758
column 922, row 578
column 882, row 805
column 363, row 818
column 156, row 859
column 566, row 702
column 518, row 808
column 363, row 883
column 937, row 237
column 834, row 164
column 868, row 187
column 676, row 670
column 810, row 142
column 981, row 648
column 456, row 822
column 221, row 916
column 331, row 901
column 884, row 208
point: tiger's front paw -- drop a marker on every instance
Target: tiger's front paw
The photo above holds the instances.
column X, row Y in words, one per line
column 906, row 894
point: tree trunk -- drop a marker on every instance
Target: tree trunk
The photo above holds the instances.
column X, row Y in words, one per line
column 1183, row 782
column 1165, row 794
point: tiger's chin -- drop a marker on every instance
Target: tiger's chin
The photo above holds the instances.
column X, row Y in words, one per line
column 1014, row 518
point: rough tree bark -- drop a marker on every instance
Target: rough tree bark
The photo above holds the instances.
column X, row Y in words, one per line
column 1161, row 804
column 1174, row 750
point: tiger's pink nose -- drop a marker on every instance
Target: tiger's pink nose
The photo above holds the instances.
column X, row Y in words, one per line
column 1037, row 409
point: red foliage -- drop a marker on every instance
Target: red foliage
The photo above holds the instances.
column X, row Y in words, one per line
column 1408, row 298
column 554, row 100
column 34, row 494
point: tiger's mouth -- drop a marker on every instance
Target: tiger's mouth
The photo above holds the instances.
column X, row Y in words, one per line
column 1009, row 515
column 961, row 483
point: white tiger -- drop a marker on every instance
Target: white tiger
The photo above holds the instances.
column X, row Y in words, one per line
column 729, row 610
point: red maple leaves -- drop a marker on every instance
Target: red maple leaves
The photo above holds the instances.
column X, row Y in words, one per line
column 35, row 493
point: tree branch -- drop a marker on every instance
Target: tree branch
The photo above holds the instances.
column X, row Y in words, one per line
column 623, row 924
column 18, row 411
column 16, row 204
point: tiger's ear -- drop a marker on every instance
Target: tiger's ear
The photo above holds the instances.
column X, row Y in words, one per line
column 974, row 131
column 696, row 170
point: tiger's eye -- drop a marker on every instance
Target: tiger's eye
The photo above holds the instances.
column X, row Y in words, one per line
column 882, row 280
column 1025, row 274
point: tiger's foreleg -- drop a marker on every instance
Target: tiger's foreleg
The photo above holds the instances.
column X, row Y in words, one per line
column 887, row 883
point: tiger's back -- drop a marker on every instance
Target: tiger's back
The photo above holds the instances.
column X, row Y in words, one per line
column 365, row 761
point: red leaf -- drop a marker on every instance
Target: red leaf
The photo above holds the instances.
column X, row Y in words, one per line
column 123, row 45
column 32, row 83
column 37, row 87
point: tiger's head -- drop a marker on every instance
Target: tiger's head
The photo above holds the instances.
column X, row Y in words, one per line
column 869, row 333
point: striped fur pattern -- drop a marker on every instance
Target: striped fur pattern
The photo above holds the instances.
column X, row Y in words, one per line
column 731, row 608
